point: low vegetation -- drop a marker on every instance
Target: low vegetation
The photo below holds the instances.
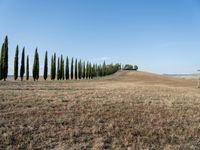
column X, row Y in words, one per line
column 128, row 110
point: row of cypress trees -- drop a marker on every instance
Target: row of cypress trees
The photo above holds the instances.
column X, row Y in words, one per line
column 59, row 70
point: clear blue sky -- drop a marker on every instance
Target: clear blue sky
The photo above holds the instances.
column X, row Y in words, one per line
column 159, row 36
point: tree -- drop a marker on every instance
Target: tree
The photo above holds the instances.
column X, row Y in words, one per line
column 36, row 65
column 27, row 68
column 58, row 69
column 87, row 70
column 104, row 69
column 22, row 68
column 72, row 68
column 76, row 69
column 46, row 66
column 79, row 70
column 16, row 63
column 128, row 67
column 67, row 69
column 83, row 68
column 4, row 60
column 1, row 63
column 63, row 70
column 52, row 65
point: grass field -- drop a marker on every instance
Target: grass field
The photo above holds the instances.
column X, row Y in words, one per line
column 128, row 110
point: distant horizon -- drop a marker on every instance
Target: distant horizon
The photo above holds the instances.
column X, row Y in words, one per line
column 159, row 36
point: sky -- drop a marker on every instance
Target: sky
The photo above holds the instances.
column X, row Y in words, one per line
column 158, row 36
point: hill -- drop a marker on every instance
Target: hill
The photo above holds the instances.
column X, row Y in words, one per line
column 127, row 110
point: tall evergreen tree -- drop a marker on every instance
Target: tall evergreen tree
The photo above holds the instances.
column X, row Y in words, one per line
column 72, row 68
column 52, row 65
column 4, row 60
column 36, row 65
column 5, row 66
column 54, row 71
column 27, row 68
column 90, row 71
column 87, row 70
column 46, row 66
column 58, row 69
column 83, row 68
column 22, row 68
column 104, row 69
column 76, row 70
column 1, row 69
column 79, row 70
column 16, row 63
column 63, row 69
column 67, row 69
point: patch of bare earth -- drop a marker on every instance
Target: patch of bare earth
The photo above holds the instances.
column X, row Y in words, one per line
column 129, row 110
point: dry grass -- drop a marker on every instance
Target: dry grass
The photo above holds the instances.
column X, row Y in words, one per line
column 130, row 110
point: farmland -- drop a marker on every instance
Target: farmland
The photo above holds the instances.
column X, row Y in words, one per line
column 127, row 110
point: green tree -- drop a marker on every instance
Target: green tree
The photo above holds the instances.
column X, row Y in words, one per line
column 63, row 69
column 87, row 70
column 16, row 63
column 104, row 69
column 27, row 68
column 83, row 68
column 46, row 66
column 67, row 69
column 76, row 70
column 54, row 71
column 1, row 62
column 52, row 67
column 58, row 69
column 4, row 60
column 79, row 69
column 72, row 68
column 61, row 72
column 22, row 68
column 36, row 65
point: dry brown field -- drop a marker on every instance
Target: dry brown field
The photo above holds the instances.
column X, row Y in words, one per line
column 128, row 110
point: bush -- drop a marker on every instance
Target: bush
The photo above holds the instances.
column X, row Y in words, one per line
column 130, row 67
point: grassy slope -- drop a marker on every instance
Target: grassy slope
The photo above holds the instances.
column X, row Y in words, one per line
column 134, row 110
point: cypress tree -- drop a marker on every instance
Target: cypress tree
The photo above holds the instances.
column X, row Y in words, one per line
column 46, row 66
column 76, row 70
column 87, row 70
column 4, row 60
column 72, row 68
column 63, row 69
column 36, row 65
column 67, row 69
column 104, row 69
column 58, row 69
column 27, row 68
column 1, row 62
column 16, row 63
column 90, row 70
column 83, row 68
column 22, row 68
column 5, row 64
column 52, row 65
column 79, row 70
